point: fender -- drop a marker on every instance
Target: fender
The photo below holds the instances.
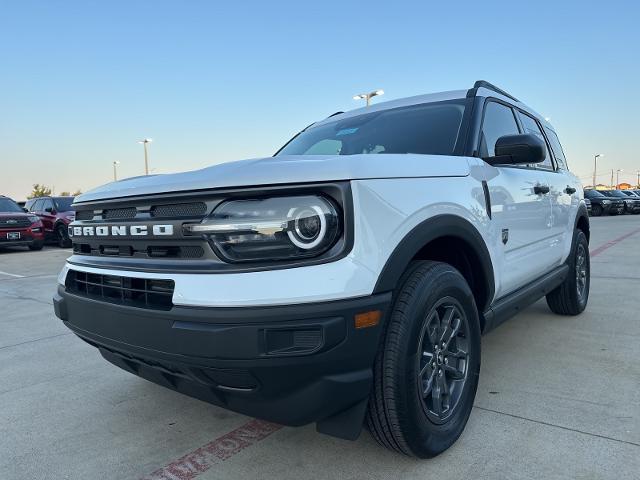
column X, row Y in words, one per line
column 582, row 217
column 427, row 231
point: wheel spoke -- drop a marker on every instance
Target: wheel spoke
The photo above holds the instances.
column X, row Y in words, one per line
column 444, row 386
column 427, row 388
column 457, row 354
column 453, row 371
column 433, row 327
column 436, row 397
column 447, row 320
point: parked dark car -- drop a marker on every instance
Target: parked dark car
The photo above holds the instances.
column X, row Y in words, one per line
column 56, row 215
column 19, row 228
column 587, row 202
column 604, row 205
column 631, row 205
column 631, row 193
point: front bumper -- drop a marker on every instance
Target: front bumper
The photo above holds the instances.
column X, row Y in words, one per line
column 27, row 237
column 292, row 364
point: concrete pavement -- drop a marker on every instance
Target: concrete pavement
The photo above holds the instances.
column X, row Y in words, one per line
column 559, row 397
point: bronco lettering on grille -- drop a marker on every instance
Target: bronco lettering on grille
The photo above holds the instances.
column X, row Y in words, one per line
column 121, row 230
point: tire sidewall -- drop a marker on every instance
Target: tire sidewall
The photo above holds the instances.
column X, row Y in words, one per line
column 580, row 239
column 432, row 437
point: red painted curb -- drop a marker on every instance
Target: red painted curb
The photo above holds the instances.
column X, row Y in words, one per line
column 222, row 448
column 602, row 248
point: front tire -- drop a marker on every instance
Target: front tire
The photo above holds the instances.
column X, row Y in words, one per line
column 571, row 297
column 596, row 210
column 426, row 372
column 37, row 245
column 62, row 237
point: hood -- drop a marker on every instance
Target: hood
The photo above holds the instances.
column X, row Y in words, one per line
column 287, row 169
column 15, row 214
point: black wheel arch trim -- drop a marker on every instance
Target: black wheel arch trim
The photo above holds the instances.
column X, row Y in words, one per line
column 439, row 226
column 583, row 214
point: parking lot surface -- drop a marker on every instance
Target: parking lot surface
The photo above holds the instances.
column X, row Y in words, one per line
column 559, row 397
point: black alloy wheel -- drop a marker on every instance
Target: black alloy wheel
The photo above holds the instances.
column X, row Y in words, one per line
column 443, row 358
column 62, row 236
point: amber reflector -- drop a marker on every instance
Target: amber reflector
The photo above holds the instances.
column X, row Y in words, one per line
column 368, row 319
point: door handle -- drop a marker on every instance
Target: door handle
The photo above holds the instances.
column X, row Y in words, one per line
column 570, row 190
column 541, row 189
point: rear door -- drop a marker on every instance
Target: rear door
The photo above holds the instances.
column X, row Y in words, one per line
column 520, row 208
column 48, row 215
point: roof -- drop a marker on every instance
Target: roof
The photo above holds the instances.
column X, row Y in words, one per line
column 481, row 88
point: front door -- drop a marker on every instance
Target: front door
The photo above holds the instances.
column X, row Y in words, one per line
column 520, row 206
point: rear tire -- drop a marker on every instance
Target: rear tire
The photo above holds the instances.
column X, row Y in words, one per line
column 571, row 297
column 423, row 391
column 62, row 237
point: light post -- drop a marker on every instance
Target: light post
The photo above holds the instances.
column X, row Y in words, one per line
column 368, row 96
column 115, row 170
column 638, row 180
column 595, row 163
column 146, row 155
column 618, row 178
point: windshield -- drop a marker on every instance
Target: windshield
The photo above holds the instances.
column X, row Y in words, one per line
column 8, row 205
column 63, row 204
column 615, row 193
column 431, row 128
column 592, row 194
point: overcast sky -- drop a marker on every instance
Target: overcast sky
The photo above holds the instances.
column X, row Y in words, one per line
column 81, row 82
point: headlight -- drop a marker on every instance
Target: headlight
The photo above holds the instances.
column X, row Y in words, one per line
column 34, row 219
column 277, row 228
column 606, row 202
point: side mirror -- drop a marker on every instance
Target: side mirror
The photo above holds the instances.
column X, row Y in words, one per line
column 25, row 209
column 518, row 150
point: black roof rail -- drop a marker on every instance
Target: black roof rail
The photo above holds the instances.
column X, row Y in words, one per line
column 489, row 86
column 334, row 114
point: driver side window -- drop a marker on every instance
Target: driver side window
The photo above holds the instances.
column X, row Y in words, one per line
column 498, row 121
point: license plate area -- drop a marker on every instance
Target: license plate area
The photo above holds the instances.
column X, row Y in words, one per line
column 13, row 235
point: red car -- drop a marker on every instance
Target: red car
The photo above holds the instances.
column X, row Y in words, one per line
column 19, row 228
column 56, row 215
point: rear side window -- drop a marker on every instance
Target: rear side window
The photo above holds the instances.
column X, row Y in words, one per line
column 37, row 206
column 48, row 203
column 29, row 205
column 557, row 149
column 498, row 121
column 531, row 126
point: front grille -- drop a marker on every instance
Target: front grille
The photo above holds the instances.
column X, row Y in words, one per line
column 179, row 210
column 136, row 292
column 183, row 252
column 84, row 215
column 14, row 222
column 120, row 213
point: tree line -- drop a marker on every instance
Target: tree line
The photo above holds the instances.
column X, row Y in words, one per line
column 44, row 191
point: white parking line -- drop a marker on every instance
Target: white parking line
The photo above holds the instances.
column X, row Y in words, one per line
column 11, row 274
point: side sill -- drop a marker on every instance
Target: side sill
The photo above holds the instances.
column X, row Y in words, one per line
column 515, row 302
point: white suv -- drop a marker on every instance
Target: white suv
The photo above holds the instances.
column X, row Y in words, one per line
column 345, row 280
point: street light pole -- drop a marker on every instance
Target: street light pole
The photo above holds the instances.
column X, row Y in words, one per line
column 144, row 142
column 368, row 96
column 618, row 178
column 638, row 181
column 611, row 178
column 595, row 164
column 115, row 171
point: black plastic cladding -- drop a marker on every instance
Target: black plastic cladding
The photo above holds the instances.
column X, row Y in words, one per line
column 339, row 192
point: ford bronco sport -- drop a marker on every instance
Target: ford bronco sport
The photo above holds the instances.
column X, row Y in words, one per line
column 347, row 279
